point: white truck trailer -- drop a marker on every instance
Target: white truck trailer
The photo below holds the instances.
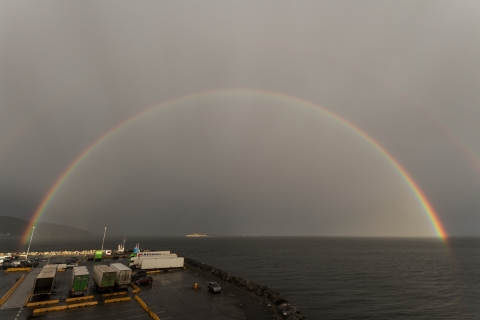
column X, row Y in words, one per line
column 136, row 261
column 148, row 253
column 44, row 282
column 151, row 253
column 104, row 277
column 164, row 263
column 124, row 274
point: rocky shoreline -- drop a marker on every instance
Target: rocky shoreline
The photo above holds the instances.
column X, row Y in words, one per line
column 285, row 308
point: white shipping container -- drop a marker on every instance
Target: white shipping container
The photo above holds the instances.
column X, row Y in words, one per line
column 161, row 263
column 104, row 277
column 123, row 276
column 135, row 262
column 44, row 282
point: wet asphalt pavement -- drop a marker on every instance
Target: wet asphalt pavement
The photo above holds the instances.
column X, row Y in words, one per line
column 170, row 296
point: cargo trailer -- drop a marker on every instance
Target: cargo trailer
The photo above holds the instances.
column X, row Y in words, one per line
column 161, row 263
column 104, row 277
column 136, row 261
column 80, row 279
column 124, row 273
column 44, row 282
column 147, row 253
column 151, row 253
column 141, row 254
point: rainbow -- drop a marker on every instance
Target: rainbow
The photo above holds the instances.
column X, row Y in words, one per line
column 427, row 206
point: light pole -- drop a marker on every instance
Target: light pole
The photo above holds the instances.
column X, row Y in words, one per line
column 28, row 250
column 104, row 238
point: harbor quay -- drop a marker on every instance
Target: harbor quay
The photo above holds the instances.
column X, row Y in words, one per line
column 49, row 253
column 172, row 294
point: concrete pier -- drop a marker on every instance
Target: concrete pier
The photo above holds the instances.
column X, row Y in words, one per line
column 170, row 296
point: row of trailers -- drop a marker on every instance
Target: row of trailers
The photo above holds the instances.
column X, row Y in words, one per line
column 105, row 278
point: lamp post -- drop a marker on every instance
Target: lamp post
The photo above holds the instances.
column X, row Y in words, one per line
column 104, row 237
column 28, row 250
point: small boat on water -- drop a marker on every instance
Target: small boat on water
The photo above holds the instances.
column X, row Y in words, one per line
column 197, row 235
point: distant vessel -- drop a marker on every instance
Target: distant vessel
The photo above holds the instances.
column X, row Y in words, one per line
column 197, row 235
column 121, row 247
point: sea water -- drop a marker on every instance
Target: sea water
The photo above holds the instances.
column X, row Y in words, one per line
column 330, row 278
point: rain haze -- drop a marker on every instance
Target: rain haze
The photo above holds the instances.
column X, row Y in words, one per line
column 238, row 117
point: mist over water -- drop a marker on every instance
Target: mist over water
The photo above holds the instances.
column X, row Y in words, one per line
column 333, row 278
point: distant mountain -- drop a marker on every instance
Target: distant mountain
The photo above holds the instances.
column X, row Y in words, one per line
column 16, row 227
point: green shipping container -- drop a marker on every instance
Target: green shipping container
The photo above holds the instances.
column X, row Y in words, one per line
column 80, row 279
column 98, row 255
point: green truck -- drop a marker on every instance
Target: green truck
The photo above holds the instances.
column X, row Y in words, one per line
column 80, row 279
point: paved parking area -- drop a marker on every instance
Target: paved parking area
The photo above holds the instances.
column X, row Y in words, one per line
column 22, row 293
column 170, row 296
column 8, row 280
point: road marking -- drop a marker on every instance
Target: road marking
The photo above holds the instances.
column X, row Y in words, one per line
column 91, row 317
column 117, row 300
column 79, row 298
column 41, row 303
column 114, row 294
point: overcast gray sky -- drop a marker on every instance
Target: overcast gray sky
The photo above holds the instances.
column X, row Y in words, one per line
column 406, row 73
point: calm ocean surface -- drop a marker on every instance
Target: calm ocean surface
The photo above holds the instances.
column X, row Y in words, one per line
column 332, row 278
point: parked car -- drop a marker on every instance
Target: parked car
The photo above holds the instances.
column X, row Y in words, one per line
column 10, row 264
column 28, row 263
column 138, row 275
column 16, row 263
column 144, row 280
column 214, row 287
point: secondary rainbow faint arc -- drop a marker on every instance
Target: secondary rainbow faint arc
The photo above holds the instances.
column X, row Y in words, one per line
column 427, row 206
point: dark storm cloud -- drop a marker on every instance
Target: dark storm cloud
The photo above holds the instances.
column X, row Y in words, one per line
column 405, row 72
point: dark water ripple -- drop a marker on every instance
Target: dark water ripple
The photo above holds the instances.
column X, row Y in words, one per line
column 334, row 278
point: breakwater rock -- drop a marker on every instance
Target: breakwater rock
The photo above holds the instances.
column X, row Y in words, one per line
column 285, row 308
